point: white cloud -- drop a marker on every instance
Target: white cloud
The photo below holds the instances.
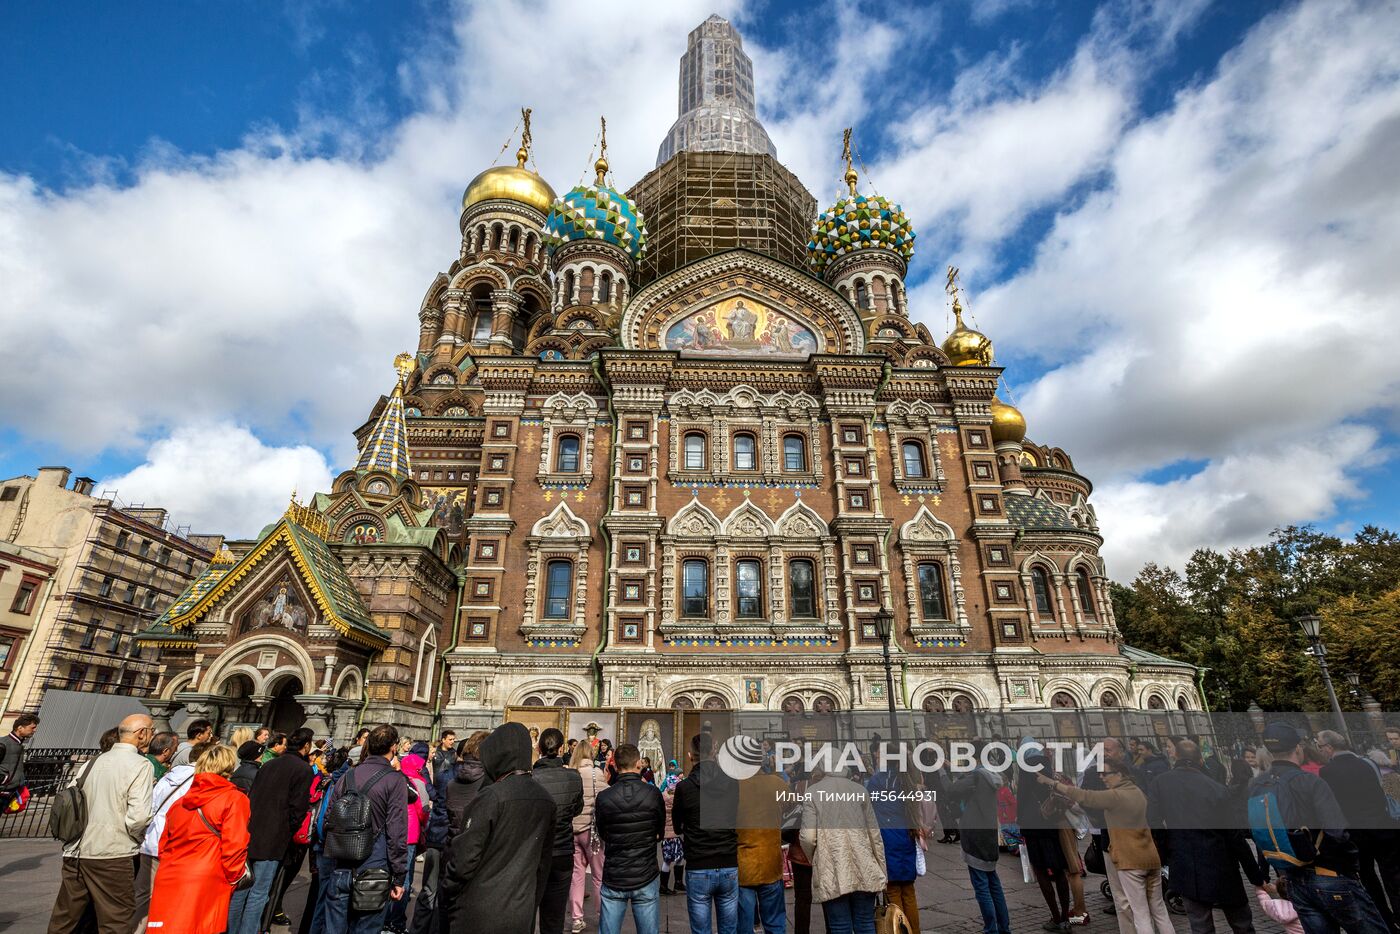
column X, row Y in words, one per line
column 1228, row 503
column 219, row 477
column 1231, row 291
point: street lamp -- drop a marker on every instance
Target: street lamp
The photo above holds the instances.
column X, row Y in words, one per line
column 884, row 627
column 1353, row 683
column 1312, row 628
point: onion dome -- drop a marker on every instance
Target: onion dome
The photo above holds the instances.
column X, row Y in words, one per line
column 1008, row 424
column 966, row 347
column 858, row 222
column 511, row 183
column 597, row 212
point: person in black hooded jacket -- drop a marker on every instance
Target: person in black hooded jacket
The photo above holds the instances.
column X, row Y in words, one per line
column 467, row 778
column 498, row 865
column 566, row 788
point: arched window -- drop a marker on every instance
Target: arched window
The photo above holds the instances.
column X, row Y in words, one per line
column 694, row 451
column 914, row 461
column 931, row 595
column 801, row 588
column 695, row 588
column 569, row 282
column 1181, row 703
column 515, row 239
column 745, row 452
column 566, row 456
column 748, row 579
column 498, row 236
column 894, row 297
column 559, row 578
column 1040, row 582
column 794, row 453
column 605, row 288
column 1086, row 592
column 530, row 242
column 862, row 295
column 427, row 665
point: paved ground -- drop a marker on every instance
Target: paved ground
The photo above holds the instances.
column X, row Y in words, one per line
column 30, row 870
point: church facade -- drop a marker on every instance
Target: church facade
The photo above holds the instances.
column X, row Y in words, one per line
column 676, row 447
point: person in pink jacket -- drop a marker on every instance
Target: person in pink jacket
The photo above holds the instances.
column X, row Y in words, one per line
column 1279, row 909
column 420, row 802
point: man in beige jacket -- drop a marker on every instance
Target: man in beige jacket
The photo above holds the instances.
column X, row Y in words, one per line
column 99, row 868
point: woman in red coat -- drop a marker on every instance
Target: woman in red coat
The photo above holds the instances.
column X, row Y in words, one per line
column 203, row 851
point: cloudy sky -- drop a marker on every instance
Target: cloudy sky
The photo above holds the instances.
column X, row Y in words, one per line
column 1179, row 221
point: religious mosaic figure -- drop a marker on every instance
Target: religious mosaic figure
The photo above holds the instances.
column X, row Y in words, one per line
column 279, row 608
column 649, row 742
column 742, row 322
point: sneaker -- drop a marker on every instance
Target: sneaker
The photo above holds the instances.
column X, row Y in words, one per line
column 1078, row 920
column 578, row 925
column 281, row 919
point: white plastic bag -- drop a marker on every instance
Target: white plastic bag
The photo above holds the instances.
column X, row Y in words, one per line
column 1026, row 873
column 920, row 864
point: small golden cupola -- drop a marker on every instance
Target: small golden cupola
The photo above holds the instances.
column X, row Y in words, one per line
column 512, row 182
column 964, row 347
column 1008, row 424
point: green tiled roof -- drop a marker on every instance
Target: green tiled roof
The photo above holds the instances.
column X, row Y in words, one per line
column 337, row 596
column 1144, row 657
column 1032, row 512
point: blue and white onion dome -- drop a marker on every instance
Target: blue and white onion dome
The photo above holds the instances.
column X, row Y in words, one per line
column 597, row 212
column 858, row 222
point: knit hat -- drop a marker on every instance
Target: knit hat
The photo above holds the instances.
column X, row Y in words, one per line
column 250, row 751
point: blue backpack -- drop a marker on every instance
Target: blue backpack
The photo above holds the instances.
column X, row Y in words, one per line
column 1270, row 808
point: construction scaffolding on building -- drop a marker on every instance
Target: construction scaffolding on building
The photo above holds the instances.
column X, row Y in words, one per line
column 701, row 203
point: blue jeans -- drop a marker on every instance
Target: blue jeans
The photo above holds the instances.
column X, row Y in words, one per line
column 397, row 918
column 646, row 907
column 246, row 907
column 852, row 913
column 767, row 902
column 990, row 898
column 338, row 917
column 325, row 868
column 717, row 889
column 1326, row 903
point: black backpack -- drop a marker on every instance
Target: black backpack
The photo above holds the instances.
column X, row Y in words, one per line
column 349, row 829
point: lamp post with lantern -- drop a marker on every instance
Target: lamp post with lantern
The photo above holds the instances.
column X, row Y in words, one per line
column 884, row 627
column 1312, row 628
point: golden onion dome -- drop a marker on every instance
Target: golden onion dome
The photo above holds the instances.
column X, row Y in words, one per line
column 510, row 183
column 966, row 347
column 1008, row 424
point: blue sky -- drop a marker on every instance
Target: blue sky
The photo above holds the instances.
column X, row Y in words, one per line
column 1174, row 218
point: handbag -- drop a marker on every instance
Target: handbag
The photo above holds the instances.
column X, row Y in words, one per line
column 369, row 890
column 1093, row 857
column 889, row 919
column 245, row 881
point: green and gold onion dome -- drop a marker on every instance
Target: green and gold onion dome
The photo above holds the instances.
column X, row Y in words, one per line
column 597, row 212
column 1008, row 424
column 857, row 222
column 510, row 183
column 966, row 347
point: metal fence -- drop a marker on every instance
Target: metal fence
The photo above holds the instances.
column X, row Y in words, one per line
column 45, row 771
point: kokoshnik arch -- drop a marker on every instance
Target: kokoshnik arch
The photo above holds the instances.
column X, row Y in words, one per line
column 672, row 447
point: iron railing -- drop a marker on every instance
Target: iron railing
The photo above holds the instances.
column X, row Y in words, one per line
column 45, row 771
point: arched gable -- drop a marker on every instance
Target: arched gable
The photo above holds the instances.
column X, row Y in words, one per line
column 786, row 312
column 801, row 521
column 748, row 521
column 694, row 520
column 926, row 527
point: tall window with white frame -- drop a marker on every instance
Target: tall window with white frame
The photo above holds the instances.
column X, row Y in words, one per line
column 801, row 590
column 694, row 451
column 559, row 578
column 1040, row 584
column 794, row 453
column 695, row 588
column 933, row 603
column 914, row 460
column 745, row 452
column 566, row 456
column 748, row 575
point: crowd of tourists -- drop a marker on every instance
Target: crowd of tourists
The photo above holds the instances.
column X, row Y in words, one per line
column 512, row 833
